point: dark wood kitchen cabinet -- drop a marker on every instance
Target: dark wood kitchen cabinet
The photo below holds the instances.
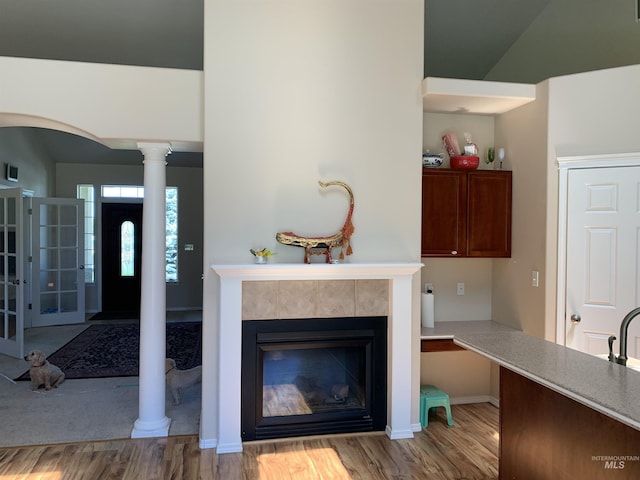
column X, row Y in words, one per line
column 466, row 213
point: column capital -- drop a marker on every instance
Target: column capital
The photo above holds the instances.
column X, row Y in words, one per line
column 155, row 150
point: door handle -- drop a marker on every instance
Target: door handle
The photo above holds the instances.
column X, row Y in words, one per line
column 16, row 282
column 575, row 318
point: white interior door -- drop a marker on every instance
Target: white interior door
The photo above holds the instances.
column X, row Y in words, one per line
column 603, row 245
column 12, row 266
column 58, row 270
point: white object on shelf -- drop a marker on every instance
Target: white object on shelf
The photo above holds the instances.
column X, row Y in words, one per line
column 428, row 310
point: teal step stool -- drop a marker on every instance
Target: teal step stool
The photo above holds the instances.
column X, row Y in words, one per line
column 431, row 397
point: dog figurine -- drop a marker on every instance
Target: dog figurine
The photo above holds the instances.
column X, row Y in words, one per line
column 42, row 372
column 179, row 379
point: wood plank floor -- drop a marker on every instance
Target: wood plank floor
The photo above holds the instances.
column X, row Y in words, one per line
column 468, row 450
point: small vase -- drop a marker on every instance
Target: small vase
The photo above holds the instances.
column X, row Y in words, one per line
column 260, row 259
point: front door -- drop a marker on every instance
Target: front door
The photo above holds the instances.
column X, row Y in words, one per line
column 121, row 257
column 603, row 259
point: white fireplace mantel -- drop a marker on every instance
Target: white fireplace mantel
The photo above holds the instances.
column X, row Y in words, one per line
column 400, row 338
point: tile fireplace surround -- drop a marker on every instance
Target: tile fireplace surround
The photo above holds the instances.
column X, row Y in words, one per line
column 315, row 285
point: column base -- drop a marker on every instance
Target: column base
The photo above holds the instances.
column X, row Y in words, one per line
column 398, row 434
column 155, row 428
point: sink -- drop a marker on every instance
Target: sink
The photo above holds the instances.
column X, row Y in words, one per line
column 632, row 363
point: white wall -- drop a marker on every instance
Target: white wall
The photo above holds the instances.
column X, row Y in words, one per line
column 187, row 292
column 298, row 91
column 523, row 133
column 36, row 170
column 594, row 112
column 117, row 105
column 446, row 273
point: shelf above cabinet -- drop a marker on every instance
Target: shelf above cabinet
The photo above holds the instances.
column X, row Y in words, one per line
column 453, row 95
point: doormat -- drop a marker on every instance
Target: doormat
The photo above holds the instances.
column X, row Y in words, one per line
column 111, row 350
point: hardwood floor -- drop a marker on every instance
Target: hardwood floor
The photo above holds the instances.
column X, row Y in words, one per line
column 468, row 450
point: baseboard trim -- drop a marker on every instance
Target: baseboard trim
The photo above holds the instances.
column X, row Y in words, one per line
column 475, row 399
column 208, row 443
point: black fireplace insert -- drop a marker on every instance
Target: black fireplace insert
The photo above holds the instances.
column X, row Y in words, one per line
column 313, row 376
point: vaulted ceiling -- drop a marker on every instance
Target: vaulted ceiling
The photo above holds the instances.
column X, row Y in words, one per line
column 463, row 39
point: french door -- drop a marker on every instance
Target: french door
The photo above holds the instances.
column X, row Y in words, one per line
column 12, row 273
column 58, row 270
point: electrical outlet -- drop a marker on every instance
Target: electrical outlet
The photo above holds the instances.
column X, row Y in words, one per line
column 534, row 278
column 428, row 286
column 460, row 289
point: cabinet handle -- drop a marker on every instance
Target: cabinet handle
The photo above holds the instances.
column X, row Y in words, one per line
column 454, row 252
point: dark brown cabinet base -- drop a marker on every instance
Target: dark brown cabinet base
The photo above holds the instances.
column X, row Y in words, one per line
column 546, row 435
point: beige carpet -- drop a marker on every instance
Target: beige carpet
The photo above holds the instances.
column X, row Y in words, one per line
column 79, row 410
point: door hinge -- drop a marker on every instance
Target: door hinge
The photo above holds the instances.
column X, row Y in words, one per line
column 30, row 211
column 30, row 259
column 30, row 307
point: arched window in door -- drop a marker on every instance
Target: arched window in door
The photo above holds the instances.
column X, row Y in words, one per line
column 127, row 236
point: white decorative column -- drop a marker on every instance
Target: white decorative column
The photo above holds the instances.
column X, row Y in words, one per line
column 152, row 421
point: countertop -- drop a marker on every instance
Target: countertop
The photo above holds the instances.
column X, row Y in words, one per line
column 450, row 330
column 606, row 387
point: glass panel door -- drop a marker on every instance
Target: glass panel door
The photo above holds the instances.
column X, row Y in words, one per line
column 11, row 274
column 58, row 249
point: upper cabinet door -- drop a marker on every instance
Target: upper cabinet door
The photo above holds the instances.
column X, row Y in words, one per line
column 466, row 213
column 444, row 213
column 489, row 224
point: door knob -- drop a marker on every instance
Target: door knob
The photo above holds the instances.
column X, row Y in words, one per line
column 575, row 318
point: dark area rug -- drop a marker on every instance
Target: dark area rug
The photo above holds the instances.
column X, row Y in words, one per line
column 115, row 316
column 103, row 351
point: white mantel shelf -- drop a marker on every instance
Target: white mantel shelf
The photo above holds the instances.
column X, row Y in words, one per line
column 316, row 271
column 403, row 345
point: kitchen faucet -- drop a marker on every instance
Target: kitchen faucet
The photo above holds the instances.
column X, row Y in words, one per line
column 624, row 327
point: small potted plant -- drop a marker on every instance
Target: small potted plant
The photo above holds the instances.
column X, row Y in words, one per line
column 261, row 256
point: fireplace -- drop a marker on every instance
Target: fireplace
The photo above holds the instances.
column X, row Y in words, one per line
column 288, row 289
column 313, row 376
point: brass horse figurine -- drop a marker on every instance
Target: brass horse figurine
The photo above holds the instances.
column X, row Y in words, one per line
column 340, row 239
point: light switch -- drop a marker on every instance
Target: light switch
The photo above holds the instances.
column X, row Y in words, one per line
column 534, row 278
column 460, row 289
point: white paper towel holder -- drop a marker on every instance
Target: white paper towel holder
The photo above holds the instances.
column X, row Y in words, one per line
column 428, row 301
